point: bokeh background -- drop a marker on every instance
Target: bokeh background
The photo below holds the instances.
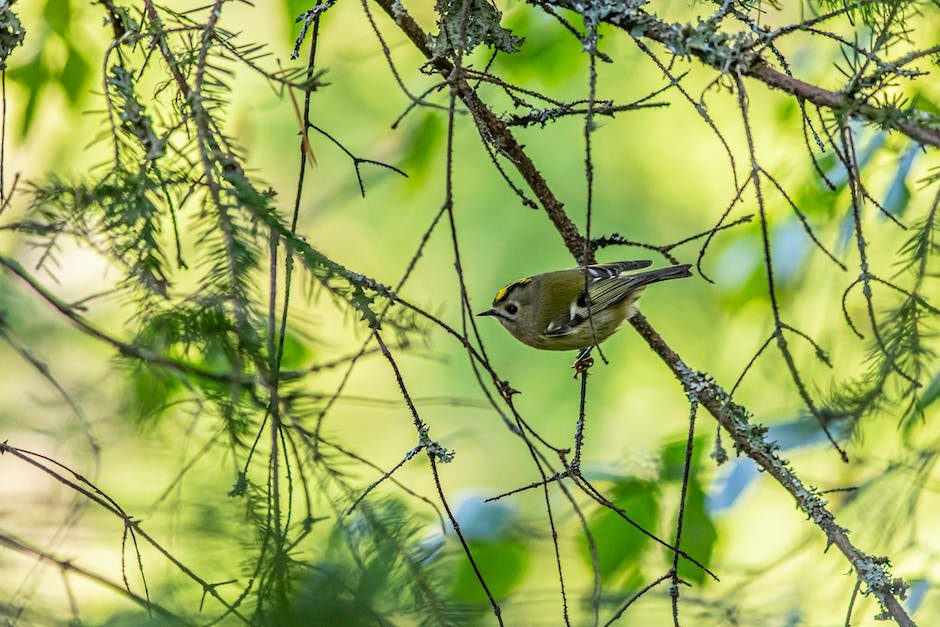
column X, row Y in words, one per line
column 661, row 175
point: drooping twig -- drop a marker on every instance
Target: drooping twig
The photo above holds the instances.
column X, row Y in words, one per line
column 782, row 343
column 67, row 566
column 686, row 470
column 93, row 493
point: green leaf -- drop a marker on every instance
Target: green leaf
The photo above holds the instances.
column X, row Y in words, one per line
column 547, row 52
column 293, row 8
column 296, row 352
column 698, row 530
column 673, row 458
column 149, row 392
column 930, row 394
column 424, row 140
column 33, row 76
column 503, row 564
column 58, row 15
column 698, row 534
column 619, row 544
column 75, row 75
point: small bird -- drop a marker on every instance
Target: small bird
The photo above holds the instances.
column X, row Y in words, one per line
column 576, row 308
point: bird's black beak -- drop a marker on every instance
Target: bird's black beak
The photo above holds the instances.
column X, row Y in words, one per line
column 488, row 312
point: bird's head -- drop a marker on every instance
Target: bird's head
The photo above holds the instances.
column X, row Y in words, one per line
column 511, row 303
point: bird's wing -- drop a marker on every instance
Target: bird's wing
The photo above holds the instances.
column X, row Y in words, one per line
column 606, row 288
column 611, row 270
column 601, row 293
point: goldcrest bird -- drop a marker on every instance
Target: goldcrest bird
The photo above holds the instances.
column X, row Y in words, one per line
column 576, row 308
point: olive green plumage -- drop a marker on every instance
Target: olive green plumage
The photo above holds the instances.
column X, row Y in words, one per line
column 552, row 311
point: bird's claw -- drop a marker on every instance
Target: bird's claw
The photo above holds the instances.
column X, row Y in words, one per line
column 582, row 365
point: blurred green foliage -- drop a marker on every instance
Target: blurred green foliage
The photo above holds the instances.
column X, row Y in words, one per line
column 621, row 549
column 660, row 176
column 44, row 72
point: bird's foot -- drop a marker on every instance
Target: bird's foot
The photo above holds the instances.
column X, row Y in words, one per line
column 582, row 364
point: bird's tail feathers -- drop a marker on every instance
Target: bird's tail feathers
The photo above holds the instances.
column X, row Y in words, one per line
column 660, row 274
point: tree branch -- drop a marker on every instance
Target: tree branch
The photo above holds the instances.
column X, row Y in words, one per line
column 739, row 57
column 67, row 566
column 749, row 438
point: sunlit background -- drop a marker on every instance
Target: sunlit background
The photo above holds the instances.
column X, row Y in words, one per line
column 660, row 176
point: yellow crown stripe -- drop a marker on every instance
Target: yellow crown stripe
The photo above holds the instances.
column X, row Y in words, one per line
column 503, row 293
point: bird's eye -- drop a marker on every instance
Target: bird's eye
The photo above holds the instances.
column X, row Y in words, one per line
column 511, row 309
